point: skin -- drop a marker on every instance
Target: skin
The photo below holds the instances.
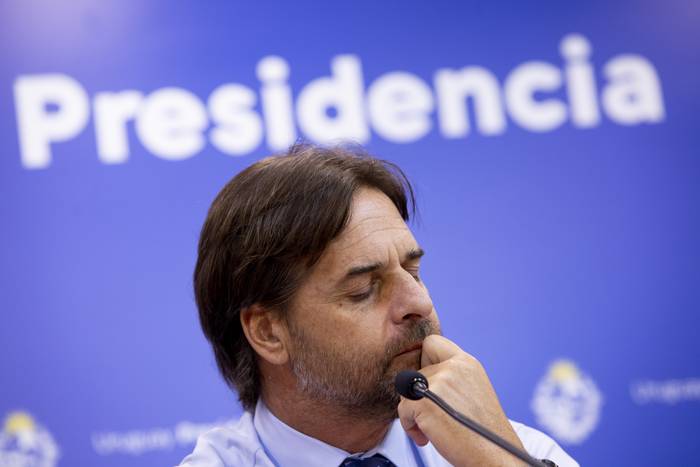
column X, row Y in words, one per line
column 344, row 327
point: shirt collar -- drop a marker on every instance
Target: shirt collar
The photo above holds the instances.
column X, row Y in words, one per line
column 287, row 446
column 396, row 446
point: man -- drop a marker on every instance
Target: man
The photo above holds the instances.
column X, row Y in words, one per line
column 308, row 288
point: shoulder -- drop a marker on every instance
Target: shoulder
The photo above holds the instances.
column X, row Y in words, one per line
column 236, row 444
column 541, row 446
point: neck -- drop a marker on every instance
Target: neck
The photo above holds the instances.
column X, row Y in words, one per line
column 333, row 425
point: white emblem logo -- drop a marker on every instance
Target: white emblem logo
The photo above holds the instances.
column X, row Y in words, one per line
column 25, row 443
column 567, row 403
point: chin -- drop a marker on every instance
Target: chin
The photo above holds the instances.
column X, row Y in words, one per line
column 402, row 363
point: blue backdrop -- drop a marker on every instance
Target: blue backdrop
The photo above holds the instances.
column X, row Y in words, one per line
column 554, row 147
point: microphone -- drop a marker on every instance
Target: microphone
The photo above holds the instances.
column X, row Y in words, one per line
column 414, row 386
column 411, row 385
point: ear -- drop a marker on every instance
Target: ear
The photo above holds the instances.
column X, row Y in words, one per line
column 266, row 333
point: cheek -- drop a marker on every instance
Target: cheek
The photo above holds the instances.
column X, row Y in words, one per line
column 356, row 339
column 358, row 330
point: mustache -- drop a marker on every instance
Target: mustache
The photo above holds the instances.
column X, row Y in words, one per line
column 415, row 334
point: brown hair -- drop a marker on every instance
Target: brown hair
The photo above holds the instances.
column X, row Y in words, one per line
column 266, row 229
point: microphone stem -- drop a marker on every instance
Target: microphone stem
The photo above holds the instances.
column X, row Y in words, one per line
column 482, row 430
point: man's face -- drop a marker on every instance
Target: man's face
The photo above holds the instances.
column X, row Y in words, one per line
column 363, row 312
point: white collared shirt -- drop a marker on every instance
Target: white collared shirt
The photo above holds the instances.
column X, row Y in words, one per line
column 262, row 440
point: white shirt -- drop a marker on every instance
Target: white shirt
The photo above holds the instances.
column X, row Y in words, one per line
column 262, row 440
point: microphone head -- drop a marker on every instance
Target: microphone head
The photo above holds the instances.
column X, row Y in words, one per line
column 406, row 383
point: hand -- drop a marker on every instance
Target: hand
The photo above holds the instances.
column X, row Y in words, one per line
column 461, row 381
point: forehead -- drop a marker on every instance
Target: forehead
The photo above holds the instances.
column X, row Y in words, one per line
column 375, row 233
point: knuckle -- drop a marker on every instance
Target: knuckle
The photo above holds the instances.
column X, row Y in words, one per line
column 454, row 364
column 470, row 360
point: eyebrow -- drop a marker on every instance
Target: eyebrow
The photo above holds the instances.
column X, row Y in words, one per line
column 413, row 254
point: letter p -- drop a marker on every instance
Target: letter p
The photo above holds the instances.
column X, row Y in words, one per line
column 37, row 124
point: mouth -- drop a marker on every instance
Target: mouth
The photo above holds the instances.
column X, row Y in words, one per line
column 412, row 348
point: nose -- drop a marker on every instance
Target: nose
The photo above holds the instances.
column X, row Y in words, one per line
column 410, row 299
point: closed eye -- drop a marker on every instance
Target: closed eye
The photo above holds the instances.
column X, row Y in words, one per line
column 414, row 273
column 365, row 294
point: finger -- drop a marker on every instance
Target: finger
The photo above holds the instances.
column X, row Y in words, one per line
column 437, row 349
column 433, row 369
column 407, row 418
column 417, row 436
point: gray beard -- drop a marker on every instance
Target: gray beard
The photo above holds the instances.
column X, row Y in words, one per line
column 348, row 379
